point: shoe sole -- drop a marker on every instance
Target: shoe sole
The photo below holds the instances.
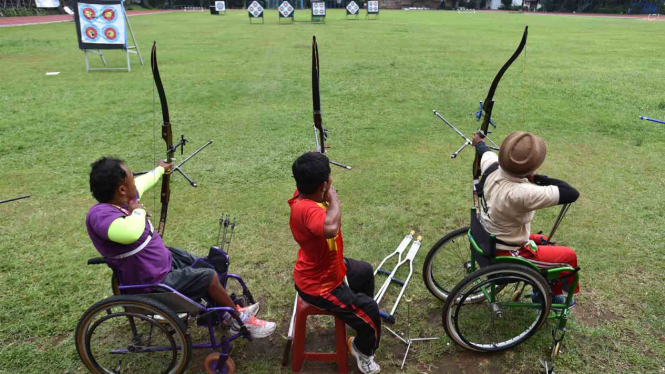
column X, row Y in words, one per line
column 257, row 336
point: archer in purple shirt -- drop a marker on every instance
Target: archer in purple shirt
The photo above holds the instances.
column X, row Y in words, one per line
column 121, row 231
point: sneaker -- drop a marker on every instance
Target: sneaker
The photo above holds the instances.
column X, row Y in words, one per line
column 250, row 311
column 366, row 364
column 258, row 328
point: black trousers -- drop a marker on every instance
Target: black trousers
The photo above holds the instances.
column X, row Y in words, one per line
column 354, row 304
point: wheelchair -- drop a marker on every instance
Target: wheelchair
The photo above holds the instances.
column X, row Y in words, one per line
column 493, row 303
column 149, row 332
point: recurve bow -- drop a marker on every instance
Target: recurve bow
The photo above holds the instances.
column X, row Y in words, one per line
column 320, row 133
column 487, row 107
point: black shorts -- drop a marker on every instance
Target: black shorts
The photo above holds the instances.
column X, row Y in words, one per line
column 192, row 282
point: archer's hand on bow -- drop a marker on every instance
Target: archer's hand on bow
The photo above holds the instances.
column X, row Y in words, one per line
column 477, row 138
column 167, row 166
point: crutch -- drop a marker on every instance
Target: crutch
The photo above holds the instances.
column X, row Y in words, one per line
column 289, row 338
column 413, row 251
column 400, row 249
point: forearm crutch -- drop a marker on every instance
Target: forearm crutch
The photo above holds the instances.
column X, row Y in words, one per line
column 289, row 338
column 413, row 251
column 400, row 249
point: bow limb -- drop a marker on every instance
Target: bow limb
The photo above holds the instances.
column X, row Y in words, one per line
column 167, row 135
column 488, row 105
column 319, row 131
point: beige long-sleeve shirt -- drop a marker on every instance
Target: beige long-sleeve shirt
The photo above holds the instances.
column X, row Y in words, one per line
column 511, row 204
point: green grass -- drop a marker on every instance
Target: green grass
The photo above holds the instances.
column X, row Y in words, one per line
column 581, row 85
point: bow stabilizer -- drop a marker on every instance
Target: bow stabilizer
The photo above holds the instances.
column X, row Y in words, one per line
column 320, row 133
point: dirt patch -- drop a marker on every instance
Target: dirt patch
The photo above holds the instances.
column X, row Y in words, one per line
column 590, row 314
column 465, row 363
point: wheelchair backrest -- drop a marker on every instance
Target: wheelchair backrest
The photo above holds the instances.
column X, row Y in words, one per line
column 483, row 244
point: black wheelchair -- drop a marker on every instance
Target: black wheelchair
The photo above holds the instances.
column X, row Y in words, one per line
column 493, row 303
column 149, row 332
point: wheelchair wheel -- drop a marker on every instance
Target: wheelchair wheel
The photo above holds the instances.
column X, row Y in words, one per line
column 132, row 334
column 211, row 362
column 447, row 263
column 508, row 313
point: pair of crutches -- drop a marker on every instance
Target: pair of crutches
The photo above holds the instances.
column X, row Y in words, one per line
column 411, row 254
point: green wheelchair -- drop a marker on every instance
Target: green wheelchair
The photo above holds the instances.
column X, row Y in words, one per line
column 494, row 303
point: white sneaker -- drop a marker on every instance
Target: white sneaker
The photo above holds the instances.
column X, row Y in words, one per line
column 250, row 311
column 258, row 328
column 366, row 364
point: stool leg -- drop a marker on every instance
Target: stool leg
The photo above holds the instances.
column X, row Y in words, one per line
column 298, row 347
column 340, row 345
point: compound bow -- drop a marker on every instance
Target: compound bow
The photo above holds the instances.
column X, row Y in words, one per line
column 320, row 133
column 167, row 135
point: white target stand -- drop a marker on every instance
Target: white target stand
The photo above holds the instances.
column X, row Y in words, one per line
column 353, row 10
column 255, row 11
column 372, row 9
column 103, row 25
column 286, row 11
column 218, row 8
column 318, row 11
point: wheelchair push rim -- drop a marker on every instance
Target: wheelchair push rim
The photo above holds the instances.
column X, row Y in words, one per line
column 132, row 334
column 508, row 314
column 447, row 263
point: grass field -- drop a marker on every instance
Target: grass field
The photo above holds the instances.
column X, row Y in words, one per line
column 581, row 85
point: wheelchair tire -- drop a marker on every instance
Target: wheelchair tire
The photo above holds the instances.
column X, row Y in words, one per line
column 211, row 361
column 136, row 328
column 511, row 321
column 447, row 263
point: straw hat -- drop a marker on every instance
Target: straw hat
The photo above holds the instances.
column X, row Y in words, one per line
column 522, row 153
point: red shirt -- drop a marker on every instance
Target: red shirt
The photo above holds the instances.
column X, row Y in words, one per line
column 320, row 265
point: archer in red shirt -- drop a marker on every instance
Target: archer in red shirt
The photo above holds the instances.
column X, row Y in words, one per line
column 323, row 276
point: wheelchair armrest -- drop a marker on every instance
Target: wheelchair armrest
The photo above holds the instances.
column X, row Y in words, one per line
column 96, row 261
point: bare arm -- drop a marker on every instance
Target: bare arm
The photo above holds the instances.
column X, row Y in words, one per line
column 334, row 216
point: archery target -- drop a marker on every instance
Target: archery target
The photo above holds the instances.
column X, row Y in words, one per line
column 101, row 25
column 318, row 9
column 220, row 6
column 372, row 7
column 285, row 9
column 352, row 8
column 255, row 9
column 108, row 14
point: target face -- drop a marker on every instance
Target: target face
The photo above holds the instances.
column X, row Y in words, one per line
column 255, row 9
column 89, row 13
column 318, row 8
column 352, row 8
column 91, row 33
column 110, row 34
column 372, row 7
column 220, row 6
column 285, row 9
column 108, row 14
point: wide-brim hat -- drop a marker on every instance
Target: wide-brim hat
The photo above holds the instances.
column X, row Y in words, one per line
column 522, row 153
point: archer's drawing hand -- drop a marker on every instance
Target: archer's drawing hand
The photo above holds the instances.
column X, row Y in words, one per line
column 167, row 166
column 477, row 138
column 136, row 204
column 331, row 195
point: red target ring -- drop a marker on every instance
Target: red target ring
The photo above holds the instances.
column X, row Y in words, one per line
column 89, row 13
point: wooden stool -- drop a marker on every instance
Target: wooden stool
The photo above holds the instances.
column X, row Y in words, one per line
column 298, row 355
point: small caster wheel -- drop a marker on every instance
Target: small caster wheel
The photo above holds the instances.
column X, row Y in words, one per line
column 211, row 363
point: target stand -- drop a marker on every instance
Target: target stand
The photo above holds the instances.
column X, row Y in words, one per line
column 353, row 10
column 218, row 8
column 318, row 12
column 286, row 11
column 103, row 25
column 372, row 9
column 255, row 11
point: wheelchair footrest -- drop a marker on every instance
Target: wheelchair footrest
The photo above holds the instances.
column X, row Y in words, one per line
column 393, row 279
